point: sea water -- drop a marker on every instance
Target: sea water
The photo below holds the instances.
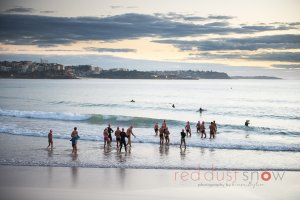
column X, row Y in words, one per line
column 33, row 107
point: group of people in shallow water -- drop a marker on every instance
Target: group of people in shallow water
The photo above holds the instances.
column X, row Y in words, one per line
column 121, row 135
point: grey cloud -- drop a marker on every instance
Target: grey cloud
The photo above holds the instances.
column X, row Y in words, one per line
column 222, row 17
column 51, row 31
column 287, row 41
column 47, row 11
column 274, row 56
column 287, row 66
column 124, row 50
column 19, row 10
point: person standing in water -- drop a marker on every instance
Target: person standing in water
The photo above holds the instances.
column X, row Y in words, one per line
column 129, row 133
column 50, row 139
column 123, row 140
column 188, row 128
column 216, row 128
column 198, row 125
column 110, row 131
column 212, row 130
column 106, row 137
column 161, row 136
column 167, row 136
column 74, row 139
column 202, row 130
column 156, row 129
column 118, row 136
column 183, row 138
column 164, row 126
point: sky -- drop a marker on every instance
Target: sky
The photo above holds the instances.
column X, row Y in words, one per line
column 239, row 37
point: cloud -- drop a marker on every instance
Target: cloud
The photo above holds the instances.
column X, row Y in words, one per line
column 47, row 11
column 222, row 17
column 124, row 50
column 287, row 66
column 293, row 57
column 19, row 10
column 50, row 31
column 286, row 41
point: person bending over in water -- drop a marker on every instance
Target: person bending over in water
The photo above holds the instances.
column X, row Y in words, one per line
column 188, row 128
column 161, row 136
column 74, row 139
column 182, row 138
column 110, row 131
column 129, row 133
column 50, row 139
column 156, row 129
column 198, row 125
column 202, row 130
column 212, row 130
column 123, row 140
column 106, row 137
column 118, row 137
column 167, row 136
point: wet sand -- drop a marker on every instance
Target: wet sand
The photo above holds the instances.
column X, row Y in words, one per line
column 27, row 183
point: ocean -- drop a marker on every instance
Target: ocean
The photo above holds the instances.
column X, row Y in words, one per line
column 32, row 107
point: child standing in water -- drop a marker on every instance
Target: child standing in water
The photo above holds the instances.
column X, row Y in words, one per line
column 50, row 139
column 156, row 129
column 182, row 138
column 167, row 136
column 74, row 139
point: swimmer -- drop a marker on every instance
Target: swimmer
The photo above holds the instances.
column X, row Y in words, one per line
column 110, row 131
column 182, row 138
column 247, row 122
column 156, row 129
column 161, row 136
column 188, row 128
column 198, row 125
column 123, row 135
column 211, row 130
column 202, row 130
column 132, row 101
column 106, row 137
column 118, row 137
column 50, row 139
column 167, row 136
column 129, row 133
column 173, row 106
column 74, row 139
column 200, row 110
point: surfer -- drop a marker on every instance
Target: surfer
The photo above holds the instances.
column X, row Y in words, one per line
column 132, row 101
column 74, row 139
column 247, row 122
column 201, row 110
column 173, row 106
column 50, row 139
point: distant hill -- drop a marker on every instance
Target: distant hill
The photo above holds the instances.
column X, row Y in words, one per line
column 254, row 77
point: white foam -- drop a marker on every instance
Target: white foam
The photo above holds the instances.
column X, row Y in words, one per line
column 44, row 115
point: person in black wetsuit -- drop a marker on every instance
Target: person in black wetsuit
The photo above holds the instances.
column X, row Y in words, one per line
column 183, row 134
column 110, row 131
column 123, row 141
